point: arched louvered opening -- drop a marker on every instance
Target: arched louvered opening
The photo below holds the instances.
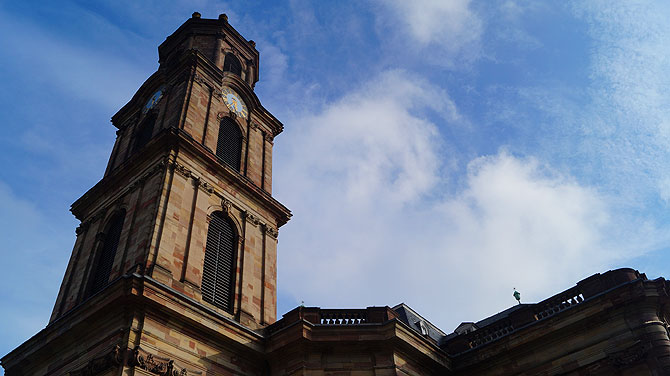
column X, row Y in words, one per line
column 218, row 279
column 145, row 130
column 106, row 254
column 229, row 144
column 231, row 64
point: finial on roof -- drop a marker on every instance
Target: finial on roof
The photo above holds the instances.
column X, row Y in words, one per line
column 517, row 296
column 252, row 43
column 195, row 15
column 223, row 17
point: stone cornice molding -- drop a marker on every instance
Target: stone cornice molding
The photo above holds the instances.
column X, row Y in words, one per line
column 176, row 138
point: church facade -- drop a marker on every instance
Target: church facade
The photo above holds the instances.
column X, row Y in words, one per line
column 174, row 268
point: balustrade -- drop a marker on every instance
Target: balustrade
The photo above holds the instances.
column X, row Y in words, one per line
column 557, row 303
column 343, row 316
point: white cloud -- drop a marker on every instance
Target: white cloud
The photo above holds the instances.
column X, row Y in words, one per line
column 378, row 125
column 520, row 224
column 450, row 30
column 361, row 176
column 629, row 90
column 275, row 63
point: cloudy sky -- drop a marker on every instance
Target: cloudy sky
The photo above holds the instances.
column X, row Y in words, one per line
column 437, row 153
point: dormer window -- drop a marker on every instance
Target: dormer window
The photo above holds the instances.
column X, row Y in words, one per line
column 422, row 327
column 231, row 64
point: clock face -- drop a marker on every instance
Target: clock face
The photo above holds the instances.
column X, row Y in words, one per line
column 234, row 102
column 151, row 103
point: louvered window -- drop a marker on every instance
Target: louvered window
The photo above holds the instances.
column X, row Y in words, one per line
column 218, row 271
column 231, row 64
column 145, row 130
column 229, row 144
column 105, row 258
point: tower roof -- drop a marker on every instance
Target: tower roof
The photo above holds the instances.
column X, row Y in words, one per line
column 196, row 26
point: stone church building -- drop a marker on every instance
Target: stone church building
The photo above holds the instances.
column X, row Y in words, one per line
column 174, row 268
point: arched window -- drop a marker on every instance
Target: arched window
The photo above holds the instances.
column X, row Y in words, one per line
column 105, row 258
column 145, row 130
column 231, row 64
column 218, row 279
column 229, row 144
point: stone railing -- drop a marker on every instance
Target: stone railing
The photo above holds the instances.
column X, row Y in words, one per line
column 489, row 333
column 333, row 317
column 557, row 303
column 529, row 314
column 524, row 315
column 343, row 316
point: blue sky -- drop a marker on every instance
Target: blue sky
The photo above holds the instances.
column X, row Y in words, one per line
column 437, row 153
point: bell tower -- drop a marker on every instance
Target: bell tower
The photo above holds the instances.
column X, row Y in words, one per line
column 175, row 259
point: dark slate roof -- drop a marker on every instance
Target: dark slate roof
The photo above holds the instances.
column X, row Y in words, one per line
column 413, row 320
column 499, row 315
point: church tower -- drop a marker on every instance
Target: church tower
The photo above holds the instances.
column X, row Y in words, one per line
column 173, row 271
column 174, row 264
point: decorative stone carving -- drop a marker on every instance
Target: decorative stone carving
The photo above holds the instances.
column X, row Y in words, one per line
column 82, row 227
column 158, row 167
column 632, row 355
column 226, row 205
column 252, row 219
column 182, row 170
column 273, row 232
column 195, row 181
column 158, row 365
column 199, row 79
column 100, row 364
column 206, row 187
column 162, row 165
column 254, row 125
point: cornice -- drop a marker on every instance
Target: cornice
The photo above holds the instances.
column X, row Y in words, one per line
column 126, row 291
column 195, row 306
column 392, row 333
column 240, row 181
column 172, row 139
